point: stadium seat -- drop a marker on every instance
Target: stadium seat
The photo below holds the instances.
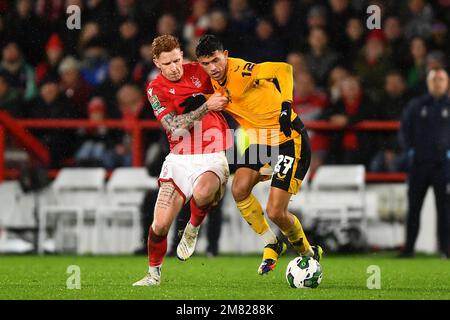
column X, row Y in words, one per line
column 337, row 196
column 127, row 186
column 10, row 193
column 120, row 225
column 340, row 185
column 77, row 192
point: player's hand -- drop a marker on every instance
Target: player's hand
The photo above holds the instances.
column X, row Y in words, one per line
column 285, row 119
column 217, row 102
column 193, row 102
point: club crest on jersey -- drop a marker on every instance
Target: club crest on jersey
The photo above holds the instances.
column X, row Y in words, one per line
column 196, row 81
column 172, row 91
column 156, row 105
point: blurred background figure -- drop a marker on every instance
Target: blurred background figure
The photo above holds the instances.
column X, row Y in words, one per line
column 19, row 73
column 395, row 97
column 425, row 132
column 320, row 58
column 51, row 103
column 75, row 88
column 353, row 106
column 309, row 103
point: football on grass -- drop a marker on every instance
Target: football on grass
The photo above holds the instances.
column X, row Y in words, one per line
column 304, row 272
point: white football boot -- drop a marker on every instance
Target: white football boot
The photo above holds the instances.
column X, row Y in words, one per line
column 186, row 247
column 152, row 278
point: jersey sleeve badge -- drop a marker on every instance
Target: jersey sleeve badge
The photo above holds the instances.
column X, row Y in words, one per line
column 156, row 104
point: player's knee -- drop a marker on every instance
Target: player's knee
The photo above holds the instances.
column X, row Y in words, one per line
column 240, row 191
column 161, row 229
column 204, row 195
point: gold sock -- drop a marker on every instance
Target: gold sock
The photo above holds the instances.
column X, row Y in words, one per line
column 253, row 213
column 297, row 237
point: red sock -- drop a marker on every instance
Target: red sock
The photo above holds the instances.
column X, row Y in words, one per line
column 157, row 248
column 197, row 214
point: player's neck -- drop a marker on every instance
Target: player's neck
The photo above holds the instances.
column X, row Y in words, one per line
column 224, row 79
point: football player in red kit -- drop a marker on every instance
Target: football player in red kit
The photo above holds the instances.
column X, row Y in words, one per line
column 196, row 168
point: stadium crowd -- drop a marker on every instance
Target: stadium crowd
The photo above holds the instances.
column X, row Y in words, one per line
column 343, row 72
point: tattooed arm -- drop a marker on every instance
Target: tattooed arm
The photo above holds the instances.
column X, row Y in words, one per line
column 178, row 124
column 174, row 124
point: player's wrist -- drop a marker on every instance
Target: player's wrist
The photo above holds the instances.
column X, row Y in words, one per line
column 285, row 105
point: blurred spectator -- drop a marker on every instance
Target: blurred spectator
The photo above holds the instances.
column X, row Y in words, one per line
column 340, row 14
column 198, row 22
column 75, row 88
column 94, row 64
column 299, row 12
column 416, row 70
column 89, row 31
column 51, row 104
column 373, row 63
column 10, row 100
column 189, row 51
column 54, row 52
column 354, row 40
column 19, row 73
column 284, row 25
column 167, row 24
column 130, row 100
column 118, row 75
column 265, row 46
column 337, row 75
column 395, row 98
column 145, row 69
column 95, row 149
column 320, row 58
column 297, row 60
column 51, row 12
column 435, row 59
column 317, row 17
column 440, row 37
column 27, row 29
column 242, row 23
column 127, row 44
column 218, row 26
column 347, row 147
column 418, row 19
column 100, row 12
column 133, row 10
column 309, row 103
column 395, row 41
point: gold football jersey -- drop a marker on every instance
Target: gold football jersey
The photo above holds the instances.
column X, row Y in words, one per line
column 255, row 93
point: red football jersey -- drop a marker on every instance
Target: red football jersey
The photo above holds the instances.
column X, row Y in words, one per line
column 165, row 96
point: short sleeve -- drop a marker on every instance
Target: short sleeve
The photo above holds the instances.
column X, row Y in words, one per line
column 160, row 105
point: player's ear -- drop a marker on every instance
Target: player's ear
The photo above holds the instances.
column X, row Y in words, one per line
column 155, row 61
column 225, row 53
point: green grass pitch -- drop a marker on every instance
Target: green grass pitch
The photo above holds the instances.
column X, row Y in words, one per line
column 225, row 277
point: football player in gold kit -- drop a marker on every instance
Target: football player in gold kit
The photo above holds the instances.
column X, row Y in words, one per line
column 259, row 99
